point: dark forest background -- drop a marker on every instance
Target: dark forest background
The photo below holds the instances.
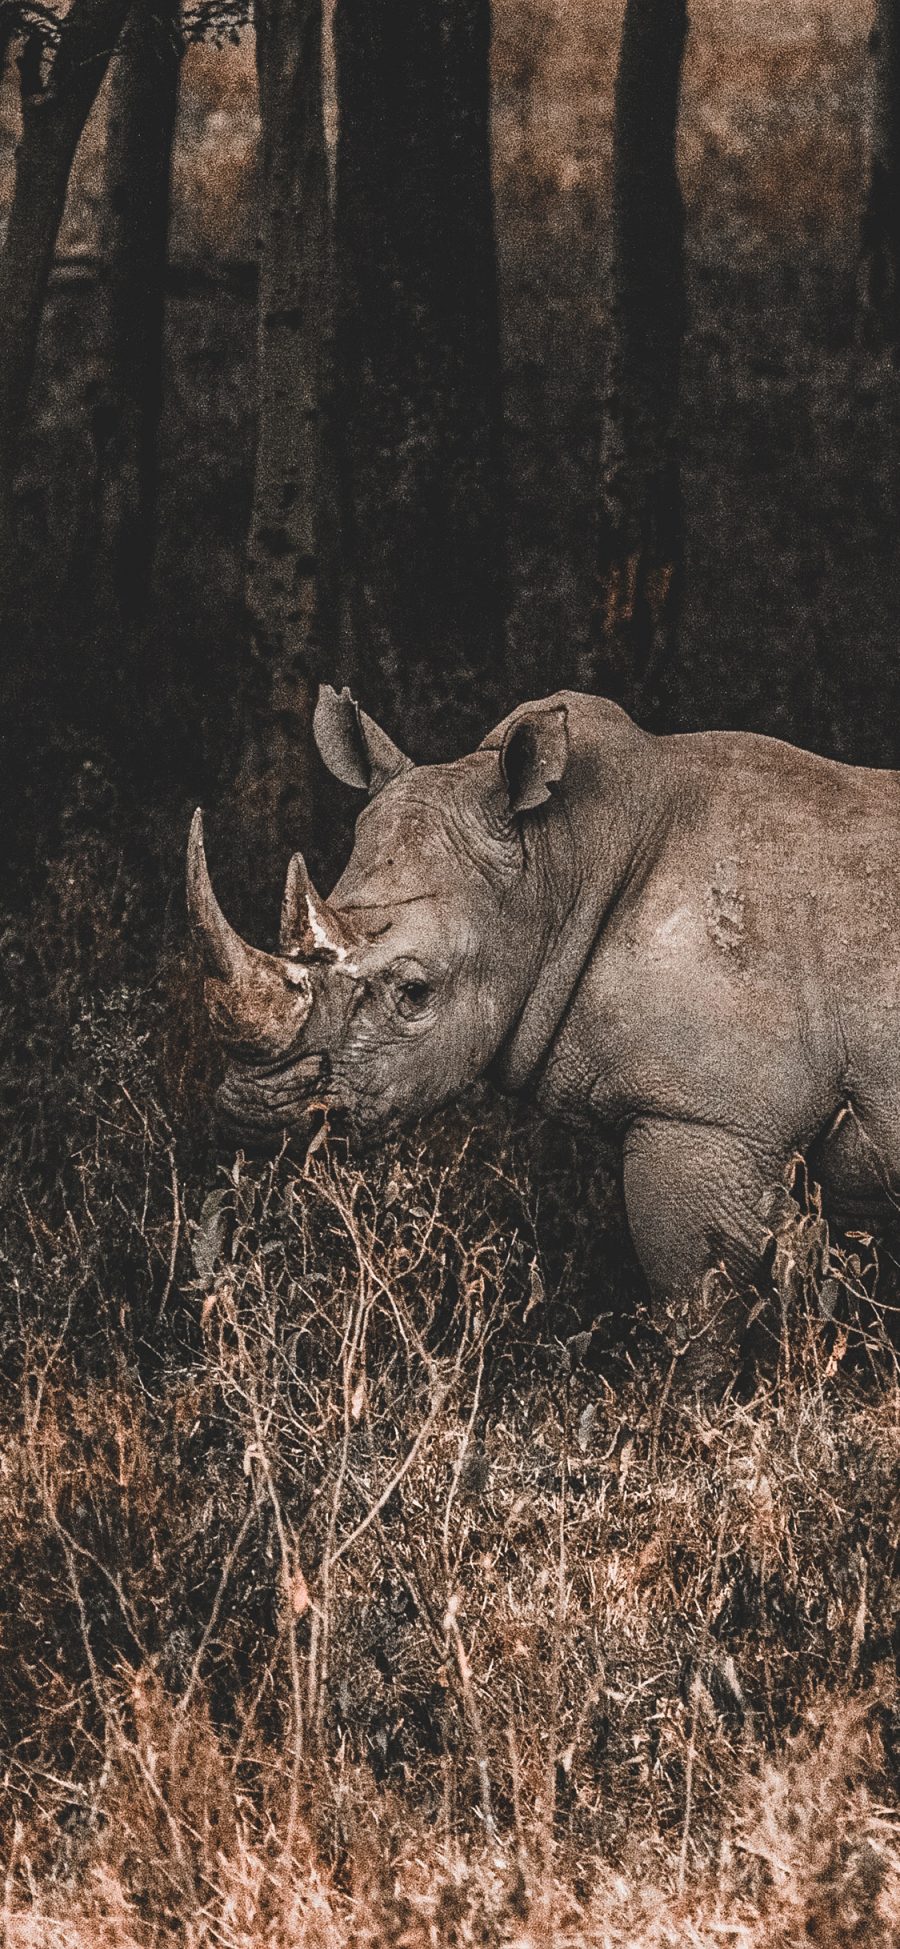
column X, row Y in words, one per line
column 463, row 563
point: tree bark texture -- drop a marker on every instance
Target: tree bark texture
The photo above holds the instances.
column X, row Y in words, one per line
column 8, row 32
column 418, row 354
column 58, row 87
column 641, row 541
column 881, row 216
column 282, row 568
column 143, row 104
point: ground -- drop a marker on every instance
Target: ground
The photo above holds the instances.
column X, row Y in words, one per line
column 365, row 1577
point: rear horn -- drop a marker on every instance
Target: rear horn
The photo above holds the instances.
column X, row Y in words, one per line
column 310, row 930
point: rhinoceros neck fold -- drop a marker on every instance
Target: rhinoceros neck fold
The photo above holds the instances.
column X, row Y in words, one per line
column 541, row 1018
column 599, row 836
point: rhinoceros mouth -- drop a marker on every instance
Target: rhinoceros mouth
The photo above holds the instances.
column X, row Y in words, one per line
column 247, row 1117
column 309, row 1072
column 256, row 1097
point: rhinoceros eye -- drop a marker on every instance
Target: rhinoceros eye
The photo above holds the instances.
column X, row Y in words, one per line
column 413, row 995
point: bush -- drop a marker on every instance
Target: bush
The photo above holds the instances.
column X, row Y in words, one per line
column 364, row 1578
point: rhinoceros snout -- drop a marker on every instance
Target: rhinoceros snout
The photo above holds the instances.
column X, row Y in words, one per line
column 256, row 1104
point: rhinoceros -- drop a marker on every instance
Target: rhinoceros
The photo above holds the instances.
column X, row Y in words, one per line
column 694, row 940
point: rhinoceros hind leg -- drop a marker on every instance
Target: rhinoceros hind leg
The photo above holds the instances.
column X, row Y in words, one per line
column 696, row 1198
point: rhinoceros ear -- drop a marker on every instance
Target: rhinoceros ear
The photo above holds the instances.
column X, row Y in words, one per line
column 352, row 745
column 533, row 757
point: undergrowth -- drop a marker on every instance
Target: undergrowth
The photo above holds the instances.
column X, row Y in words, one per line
column 364, row 1575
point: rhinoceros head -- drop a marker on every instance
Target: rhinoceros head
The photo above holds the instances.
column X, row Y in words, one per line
column 394, row 994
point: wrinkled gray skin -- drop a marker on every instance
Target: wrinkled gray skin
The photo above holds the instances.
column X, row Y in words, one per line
column 692, row 939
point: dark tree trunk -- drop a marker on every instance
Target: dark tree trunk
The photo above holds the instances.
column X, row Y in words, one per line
column 58, row 89
column 283, row 567
column 641, row 518
column 881, row 217
column 418, row 354
column 9, row 28
column 143, row 103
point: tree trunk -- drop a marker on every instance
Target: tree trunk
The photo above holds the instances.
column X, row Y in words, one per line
column 9, row 29
column 58, row 88
column 641, row 517
column 418, row 355
column 140, row 130
column 282, row 569
column 881, row 217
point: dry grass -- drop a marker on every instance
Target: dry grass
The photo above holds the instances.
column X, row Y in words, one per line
column 358, row 1586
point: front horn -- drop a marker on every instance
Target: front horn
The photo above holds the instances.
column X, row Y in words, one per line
column 257, row 1002
column 224, row 953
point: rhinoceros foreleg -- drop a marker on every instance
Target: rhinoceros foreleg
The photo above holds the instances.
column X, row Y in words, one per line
column 697, row 1198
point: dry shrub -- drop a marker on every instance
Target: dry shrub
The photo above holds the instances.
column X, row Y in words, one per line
column 820, row 1851
column 813, row 1858
column 362, row 1578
